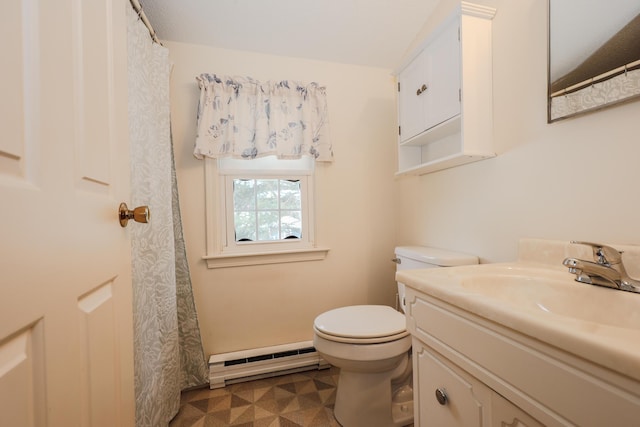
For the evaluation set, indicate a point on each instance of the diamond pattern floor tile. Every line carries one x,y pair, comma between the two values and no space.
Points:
303,399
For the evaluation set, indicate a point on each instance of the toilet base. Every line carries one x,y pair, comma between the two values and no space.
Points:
402,414
365,400
402,404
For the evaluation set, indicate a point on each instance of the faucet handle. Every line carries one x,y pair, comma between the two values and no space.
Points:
603,254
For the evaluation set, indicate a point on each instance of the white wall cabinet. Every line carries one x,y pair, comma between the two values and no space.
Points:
445,91
495,376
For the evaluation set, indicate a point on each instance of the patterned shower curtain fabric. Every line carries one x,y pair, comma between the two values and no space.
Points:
167,348
243,118
193,364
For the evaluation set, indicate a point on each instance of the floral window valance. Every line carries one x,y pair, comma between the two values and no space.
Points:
244,118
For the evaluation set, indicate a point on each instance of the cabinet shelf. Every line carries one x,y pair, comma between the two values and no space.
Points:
444,163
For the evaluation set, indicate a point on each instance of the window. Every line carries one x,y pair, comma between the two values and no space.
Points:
260,211
266,209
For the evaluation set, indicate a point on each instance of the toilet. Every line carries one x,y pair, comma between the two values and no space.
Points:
371,346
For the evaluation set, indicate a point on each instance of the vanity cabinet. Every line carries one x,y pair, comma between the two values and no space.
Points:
445,95
451,397
491,375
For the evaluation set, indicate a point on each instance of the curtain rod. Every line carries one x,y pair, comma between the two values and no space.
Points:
597,79
138,8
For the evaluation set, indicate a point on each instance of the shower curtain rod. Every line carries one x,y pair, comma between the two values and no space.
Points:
138,8
623,69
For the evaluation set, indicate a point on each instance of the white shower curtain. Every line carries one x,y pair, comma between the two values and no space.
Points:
167,348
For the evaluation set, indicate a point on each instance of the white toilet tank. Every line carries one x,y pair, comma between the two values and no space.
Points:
418,257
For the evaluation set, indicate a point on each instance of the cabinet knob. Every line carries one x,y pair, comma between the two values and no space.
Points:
441,396
423,88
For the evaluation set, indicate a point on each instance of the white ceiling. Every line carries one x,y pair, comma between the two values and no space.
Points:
363,32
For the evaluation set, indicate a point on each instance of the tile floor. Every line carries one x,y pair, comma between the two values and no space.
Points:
303,399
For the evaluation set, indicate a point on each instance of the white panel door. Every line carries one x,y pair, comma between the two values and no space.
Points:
66,351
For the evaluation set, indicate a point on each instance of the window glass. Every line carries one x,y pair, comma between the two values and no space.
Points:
267,209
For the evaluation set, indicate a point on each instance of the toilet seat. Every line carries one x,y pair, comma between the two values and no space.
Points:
347,340
361,324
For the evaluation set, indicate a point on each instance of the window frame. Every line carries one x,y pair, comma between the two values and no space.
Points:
223,250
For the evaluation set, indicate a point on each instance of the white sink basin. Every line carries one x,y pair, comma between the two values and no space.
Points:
555,293
599,324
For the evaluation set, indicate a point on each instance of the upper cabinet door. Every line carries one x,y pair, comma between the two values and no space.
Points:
443,71
411,99
430,84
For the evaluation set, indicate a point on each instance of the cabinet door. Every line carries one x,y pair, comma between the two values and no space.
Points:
442,96
411,99
463,400
430,84
506,414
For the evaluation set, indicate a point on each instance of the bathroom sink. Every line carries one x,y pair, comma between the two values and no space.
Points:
543,302
555,294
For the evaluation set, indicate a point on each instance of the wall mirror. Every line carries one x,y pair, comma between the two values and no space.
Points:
594,55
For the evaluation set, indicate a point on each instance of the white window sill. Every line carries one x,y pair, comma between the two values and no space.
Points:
275,257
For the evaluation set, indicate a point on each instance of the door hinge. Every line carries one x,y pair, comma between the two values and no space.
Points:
399,131
398,86
458,33
460,95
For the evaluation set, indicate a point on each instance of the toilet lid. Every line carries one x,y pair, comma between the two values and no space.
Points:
362,321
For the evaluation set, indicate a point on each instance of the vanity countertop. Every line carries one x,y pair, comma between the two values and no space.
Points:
540,299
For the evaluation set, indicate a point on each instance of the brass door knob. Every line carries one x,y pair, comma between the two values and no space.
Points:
139,214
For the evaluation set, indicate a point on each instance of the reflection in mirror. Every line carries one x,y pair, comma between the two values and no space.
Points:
594,55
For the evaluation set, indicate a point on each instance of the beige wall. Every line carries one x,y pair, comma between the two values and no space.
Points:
247,307
575,179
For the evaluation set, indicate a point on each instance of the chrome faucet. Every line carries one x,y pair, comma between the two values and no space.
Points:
606,269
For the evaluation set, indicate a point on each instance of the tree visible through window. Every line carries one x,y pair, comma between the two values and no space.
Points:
267,209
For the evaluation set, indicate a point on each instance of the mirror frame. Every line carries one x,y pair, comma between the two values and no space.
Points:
613,86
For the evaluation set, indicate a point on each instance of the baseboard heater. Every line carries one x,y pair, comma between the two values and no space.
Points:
246,365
